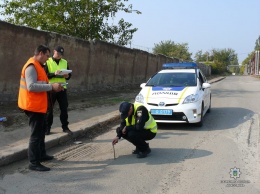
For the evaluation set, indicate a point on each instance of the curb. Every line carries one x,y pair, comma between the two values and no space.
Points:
216,80
15,153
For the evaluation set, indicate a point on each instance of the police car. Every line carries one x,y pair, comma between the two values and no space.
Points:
179,93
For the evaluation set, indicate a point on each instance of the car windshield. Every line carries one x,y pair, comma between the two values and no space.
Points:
173,79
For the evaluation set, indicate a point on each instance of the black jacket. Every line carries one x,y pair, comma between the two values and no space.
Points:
141,116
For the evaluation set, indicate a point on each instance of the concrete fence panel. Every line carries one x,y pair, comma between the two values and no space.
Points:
96,65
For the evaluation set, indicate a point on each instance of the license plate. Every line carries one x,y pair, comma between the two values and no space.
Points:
161,112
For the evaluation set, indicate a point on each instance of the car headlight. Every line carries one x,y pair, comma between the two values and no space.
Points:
191,99
139,98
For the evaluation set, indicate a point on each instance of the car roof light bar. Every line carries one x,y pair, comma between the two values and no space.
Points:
180,66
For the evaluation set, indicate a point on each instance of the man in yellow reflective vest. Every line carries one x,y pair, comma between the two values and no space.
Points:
55,65
137,126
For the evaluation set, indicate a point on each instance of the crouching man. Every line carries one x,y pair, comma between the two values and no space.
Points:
137,126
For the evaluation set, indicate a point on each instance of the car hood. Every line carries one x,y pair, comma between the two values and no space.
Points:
172,94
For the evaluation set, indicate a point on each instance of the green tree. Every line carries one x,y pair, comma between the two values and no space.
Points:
257,44
87,19
171,49
223,58
202,57
219,59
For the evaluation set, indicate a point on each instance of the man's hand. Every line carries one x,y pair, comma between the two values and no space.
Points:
56,87
57,72
115,140
124,131
66,75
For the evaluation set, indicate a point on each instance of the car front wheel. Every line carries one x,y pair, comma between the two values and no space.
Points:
209,109
200,123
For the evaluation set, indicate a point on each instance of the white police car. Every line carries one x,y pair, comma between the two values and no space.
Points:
179,93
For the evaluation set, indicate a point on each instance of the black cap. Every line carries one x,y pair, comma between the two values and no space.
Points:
124,109
59,49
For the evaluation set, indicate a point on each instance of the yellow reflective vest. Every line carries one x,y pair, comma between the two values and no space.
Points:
149,125
53,66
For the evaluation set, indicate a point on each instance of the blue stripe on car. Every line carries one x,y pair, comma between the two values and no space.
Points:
168,88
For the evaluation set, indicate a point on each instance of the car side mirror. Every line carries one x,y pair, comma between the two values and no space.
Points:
142,85
205,85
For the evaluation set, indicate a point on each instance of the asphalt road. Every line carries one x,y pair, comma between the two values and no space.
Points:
220,157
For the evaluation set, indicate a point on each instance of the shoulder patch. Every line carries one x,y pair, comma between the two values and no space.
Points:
139,113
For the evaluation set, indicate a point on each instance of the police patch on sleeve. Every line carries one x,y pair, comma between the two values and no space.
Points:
139,113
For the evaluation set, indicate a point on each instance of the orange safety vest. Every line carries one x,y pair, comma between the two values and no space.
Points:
33,101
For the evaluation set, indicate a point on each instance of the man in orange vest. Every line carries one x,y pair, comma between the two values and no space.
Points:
32,99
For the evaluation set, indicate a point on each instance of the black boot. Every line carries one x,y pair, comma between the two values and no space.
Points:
47,131
67,130
143,154
148,149
136,151
38,167
46,158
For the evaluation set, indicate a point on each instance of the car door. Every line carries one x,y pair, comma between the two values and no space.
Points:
206,91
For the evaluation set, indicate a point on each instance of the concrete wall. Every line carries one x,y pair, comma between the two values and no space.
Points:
96,65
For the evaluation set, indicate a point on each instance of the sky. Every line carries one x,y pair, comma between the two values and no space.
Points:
203,24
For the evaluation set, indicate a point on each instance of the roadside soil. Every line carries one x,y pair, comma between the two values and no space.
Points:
16,118
81,107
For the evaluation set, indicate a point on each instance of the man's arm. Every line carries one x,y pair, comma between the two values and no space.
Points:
120,128
31,81
119,132
50,75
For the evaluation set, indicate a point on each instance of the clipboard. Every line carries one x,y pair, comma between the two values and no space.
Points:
64,72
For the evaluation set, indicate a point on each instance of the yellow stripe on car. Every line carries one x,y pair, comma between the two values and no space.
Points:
148,94
182,94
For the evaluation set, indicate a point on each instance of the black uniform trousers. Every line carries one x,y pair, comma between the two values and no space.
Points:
36,148
62,99
138,138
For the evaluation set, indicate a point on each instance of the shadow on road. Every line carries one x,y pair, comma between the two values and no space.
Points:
218,119
164,156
